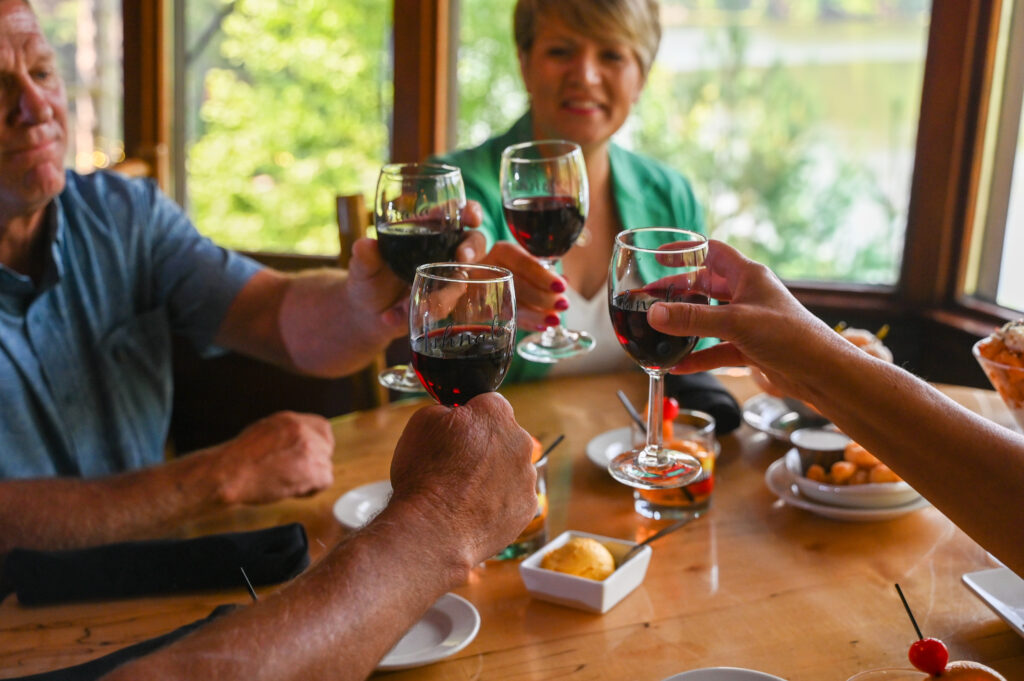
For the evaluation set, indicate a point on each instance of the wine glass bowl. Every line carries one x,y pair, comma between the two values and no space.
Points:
545,197
462,327
417,216
650,265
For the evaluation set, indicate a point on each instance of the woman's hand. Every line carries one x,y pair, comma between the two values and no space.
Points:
539,291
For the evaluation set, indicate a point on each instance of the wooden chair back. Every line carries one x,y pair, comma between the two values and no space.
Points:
354,220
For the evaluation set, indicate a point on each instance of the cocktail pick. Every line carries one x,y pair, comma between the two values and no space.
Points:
248,585
930,655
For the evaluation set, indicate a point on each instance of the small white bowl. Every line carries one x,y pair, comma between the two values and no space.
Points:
579,592
869,495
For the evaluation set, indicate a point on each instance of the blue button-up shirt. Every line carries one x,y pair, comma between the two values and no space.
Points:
85,355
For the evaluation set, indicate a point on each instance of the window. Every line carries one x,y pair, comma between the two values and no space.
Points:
87,37
995,274
284,105
795,121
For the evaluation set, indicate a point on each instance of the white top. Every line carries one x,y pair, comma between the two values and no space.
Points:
592,316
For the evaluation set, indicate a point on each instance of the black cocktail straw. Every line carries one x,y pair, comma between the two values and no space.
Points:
632,410
552,445
909,613
248,584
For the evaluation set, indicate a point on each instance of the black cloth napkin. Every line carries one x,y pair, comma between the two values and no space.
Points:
94,669
146,568
704,392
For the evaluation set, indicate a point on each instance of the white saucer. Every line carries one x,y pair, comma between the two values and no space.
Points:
723,674
1003,591
448,627
358,506
780,482
609,444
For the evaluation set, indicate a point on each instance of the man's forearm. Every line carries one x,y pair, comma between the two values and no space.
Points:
334,622
62,513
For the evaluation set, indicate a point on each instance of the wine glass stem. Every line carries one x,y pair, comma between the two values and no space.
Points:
655,394
553,335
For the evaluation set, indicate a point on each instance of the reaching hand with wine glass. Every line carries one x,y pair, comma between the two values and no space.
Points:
970,468
546,198
652,265
462,326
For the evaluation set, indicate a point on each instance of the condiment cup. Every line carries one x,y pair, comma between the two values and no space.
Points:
579,592
822,446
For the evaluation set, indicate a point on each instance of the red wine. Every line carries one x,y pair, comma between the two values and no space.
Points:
458,363
651,349
407,245
546,226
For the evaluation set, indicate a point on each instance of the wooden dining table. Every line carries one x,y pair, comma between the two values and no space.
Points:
754,583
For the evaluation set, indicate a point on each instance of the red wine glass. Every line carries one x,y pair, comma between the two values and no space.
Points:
545,196
649,265
417,218
462,329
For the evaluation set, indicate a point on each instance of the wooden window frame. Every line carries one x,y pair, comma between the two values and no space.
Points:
928,300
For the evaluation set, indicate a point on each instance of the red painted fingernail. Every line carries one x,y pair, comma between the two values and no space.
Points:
552,320
561,304
558,286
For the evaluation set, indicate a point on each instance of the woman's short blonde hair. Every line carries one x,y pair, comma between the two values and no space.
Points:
634,22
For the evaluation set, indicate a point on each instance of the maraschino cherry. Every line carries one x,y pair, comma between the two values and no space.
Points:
930,655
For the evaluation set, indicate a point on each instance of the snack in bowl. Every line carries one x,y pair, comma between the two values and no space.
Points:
581,556
1001,356
858,467
856,480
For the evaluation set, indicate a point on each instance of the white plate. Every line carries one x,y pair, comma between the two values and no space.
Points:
448,627
780,482
1003,591
723,674
358,506
773,416
609,444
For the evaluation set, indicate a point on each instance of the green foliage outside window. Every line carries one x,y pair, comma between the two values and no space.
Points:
297,114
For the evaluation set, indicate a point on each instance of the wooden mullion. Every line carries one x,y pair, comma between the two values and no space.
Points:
421,44
954,97
146,100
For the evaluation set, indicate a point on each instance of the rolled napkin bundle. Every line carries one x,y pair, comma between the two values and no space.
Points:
704,392
147,568
94,669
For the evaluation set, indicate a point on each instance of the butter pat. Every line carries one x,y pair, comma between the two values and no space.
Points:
582,557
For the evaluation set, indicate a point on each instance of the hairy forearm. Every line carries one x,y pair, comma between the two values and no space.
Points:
63,513
334,622
968,467
306,322
324,333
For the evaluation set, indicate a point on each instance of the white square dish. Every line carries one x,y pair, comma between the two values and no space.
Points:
579,592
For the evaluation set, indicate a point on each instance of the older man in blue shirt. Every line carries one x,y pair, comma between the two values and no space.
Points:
96,272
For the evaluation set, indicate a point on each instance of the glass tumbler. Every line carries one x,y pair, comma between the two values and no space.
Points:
692,432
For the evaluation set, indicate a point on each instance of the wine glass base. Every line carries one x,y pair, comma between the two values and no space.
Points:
400,379
678,470
535,349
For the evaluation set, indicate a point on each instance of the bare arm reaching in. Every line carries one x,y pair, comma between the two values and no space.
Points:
968,467
463,489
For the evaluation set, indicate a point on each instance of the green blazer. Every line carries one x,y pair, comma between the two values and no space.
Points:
646,192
